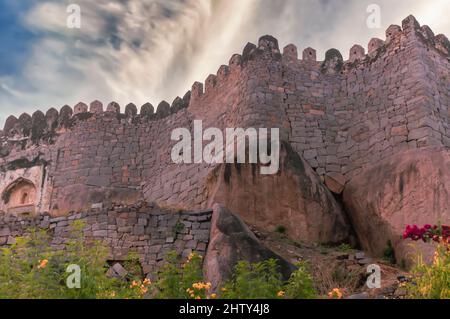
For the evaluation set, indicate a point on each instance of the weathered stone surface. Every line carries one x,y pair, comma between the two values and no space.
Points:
335,182
9,124
80,108
131,110
147,109
123,228
38,125
113,107
96,107
357,52
51,117
178,104
412,187
230,242
163,109
333,61
343,122
295,198
309,54
119,270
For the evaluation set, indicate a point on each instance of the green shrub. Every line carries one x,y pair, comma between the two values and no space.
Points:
32,268
263,281
389,253
281,230
432,281
254,281
345,248
185,282
301,284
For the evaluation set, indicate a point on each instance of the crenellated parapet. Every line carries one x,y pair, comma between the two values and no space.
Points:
28,130
340,114
31,129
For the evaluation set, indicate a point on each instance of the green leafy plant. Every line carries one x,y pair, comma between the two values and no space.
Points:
301,284
345,248
281,230
32,268
389,253
178,228
430,281
254,281
263,281
181,282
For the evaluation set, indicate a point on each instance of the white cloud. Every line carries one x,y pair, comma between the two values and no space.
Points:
149,50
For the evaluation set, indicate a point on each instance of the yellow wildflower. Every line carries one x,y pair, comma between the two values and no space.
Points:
42,263
281,294
336,293
147,282
213,296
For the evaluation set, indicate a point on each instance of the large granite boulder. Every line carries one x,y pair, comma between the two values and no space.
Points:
412,187
231,241
294,199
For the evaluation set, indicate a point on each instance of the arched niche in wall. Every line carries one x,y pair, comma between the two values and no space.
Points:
20,196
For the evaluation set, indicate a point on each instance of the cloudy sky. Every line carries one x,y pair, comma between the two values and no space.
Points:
149,50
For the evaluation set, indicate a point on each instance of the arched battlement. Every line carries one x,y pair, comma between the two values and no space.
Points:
410,24
51,117
210,83
333,62
442,44
427,33
147,109
80,108
38,125
357,52
177,104
10,122
374,45
222,73
235,62
163,110
131,110
66,111
96,107
268,43
290,52
309,54
113,107
197,90
392,32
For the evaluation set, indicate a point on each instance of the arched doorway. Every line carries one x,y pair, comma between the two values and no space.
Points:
20,196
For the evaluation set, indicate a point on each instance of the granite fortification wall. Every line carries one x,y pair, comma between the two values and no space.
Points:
340,116
149,231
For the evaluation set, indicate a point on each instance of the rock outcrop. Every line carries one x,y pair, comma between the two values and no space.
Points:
412,187
230,242
294,199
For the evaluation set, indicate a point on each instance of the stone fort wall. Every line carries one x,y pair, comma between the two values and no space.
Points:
149,231
340,116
